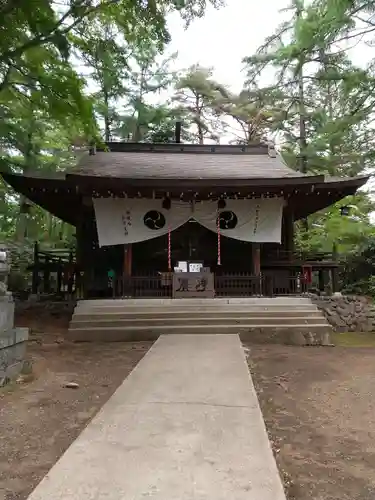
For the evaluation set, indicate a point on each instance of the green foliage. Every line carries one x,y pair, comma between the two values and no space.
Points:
358,273
49,53
197,96
149,75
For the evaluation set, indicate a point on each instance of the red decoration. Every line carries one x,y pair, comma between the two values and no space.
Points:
218,240
169,251
307,274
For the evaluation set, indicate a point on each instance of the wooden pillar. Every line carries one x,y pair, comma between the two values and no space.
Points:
288,231
256,267
59,276
46,275
334,270
35,279
256,258
322,283
335,279
127,270
128,255
83,252
70,274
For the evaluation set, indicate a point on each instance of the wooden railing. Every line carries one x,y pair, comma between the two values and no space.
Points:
285,255
293,285
226,285
147,286
238,285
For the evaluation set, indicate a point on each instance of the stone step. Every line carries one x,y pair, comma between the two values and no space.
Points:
259,332
183,314
195,301
182,321
187,310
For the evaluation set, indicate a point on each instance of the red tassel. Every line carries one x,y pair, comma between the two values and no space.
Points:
169,251
218,240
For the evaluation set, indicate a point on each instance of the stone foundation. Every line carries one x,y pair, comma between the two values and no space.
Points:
13,342
12,354
287,336
347,313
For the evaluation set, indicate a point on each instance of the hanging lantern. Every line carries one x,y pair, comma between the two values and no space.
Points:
166,203
345,211
221,204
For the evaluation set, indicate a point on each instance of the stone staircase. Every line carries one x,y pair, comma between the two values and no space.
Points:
293,320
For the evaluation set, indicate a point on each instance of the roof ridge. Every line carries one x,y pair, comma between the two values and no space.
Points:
178,148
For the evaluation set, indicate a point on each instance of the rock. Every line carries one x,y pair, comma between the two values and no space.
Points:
4,381
27,367
71,385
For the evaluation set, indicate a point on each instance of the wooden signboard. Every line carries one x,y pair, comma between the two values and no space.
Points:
188,285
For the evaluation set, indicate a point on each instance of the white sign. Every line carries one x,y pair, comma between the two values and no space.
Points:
195,267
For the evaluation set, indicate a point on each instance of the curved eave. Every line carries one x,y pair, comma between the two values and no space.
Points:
168,183
51,193
324,194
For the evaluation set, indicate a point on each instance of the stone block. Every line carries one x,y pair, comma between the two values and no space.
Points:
13,342
347,313
13,346
6,313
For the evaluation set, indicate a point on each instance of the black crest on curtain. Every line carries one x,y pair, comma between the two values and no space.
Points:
227,220
154,220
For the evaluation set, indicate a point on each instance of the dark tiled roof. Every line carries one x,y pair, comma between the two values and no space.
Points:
221,163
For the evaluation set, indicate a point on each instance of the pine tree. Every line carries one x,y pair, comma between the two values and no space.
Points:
149,76
196,97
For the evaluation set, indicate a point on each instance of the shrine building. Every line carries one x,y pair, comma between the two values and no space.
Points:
181,220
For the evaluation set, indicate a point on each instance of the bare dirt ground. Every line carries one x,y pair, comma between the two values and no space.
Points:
39,417
319,407
318,403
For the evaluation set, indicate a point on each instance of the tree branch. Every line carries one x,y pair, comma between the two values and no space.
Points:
45,38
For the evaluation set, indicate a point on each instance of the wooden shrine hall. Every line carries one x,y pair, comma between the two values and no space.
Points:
182,220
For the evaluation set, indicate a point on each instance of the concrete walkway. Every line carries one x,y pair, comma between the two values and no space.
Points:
184,425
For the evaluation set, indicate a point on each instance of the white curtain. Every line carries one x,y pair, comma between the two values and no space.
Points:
256,220
130,220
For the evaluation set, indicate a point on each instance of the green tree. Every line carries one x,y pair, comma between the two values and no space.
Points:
35,45
327,107
196,96
149,75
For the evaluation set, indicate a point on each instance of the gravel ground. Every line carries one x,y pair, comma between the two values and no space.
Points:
319,408
40,418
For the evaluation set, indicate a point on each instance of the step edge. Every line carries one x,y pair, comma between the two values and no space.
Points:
193,327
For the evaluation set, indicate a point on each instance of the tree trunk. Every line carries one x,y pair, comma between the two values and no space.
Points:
30,154
107,125
302,125
199,118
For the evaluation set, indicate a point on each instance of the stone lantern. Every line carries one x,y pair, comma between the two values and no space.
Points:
13,340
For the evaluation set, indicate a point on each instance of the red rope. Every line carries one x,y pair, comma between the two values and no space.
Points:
218,239
169,251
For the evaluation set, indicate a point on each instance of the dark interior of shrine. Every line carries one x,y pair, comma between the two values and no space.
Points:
189,242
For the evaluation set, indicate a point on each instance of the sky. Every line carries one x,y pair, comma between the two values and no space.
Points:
223,37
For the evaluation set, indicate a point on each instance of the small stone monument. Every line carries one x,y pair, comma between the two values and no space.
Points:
13,340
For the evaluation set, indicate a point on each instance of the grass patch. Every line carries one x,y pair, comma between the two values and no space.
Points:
353,339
